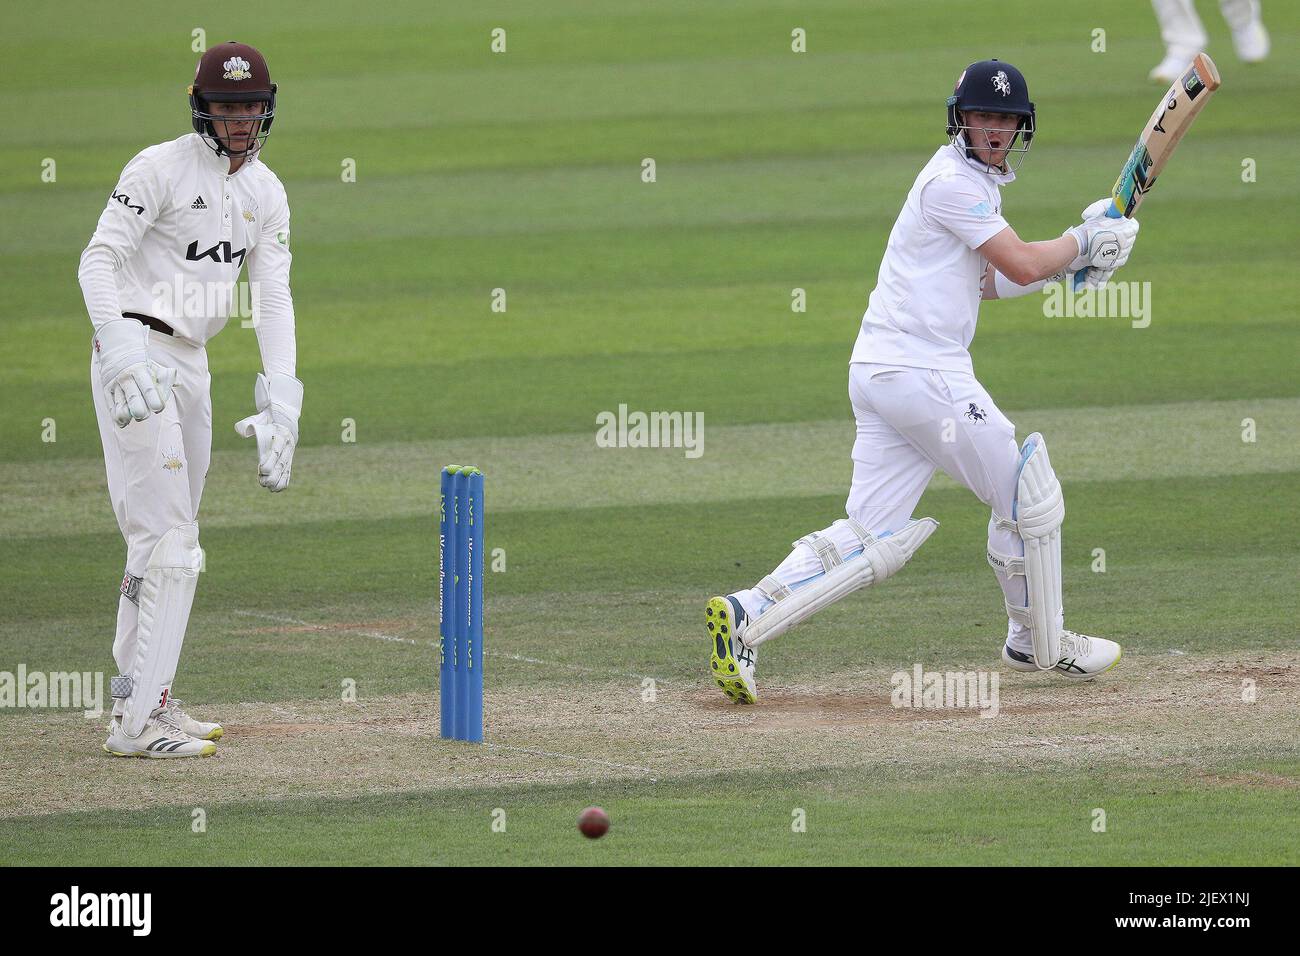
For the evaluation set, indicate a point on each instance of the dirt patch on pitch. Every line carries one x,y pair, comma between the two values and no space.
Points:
1251,779
1196,713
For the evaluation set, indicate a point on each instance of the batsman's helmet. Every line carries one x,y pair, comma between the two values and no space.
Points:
232,73
991,86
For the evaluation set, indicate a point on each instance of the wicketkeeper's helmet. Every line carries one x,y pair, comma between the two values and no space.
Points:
232,73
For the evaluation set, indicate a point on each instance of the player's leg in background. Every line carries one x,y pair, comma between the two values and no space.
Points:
1246,22
1183,35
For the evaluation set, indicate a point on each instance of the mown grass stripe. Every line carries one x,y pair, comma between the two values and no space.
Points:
568,471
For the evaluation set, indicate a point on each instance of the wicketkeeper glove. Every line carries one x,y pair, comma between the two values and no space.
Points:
278,398
135,385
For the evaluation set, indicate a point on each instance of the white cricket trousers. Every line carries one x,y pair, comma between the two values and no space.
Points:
156,468
910,422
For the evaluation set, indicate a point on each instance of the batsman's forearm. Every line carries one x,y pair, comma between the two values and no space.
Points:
1045,259
1027,262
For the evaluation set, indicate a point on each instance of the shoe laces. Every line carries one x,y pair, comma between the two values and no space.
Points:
1078,643
171,720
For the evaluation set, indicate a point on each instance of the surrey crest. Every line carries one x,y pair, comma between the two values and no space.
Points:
236,69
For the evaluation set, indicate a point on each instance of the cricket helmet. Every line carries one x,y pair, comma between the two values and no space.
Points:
232,73
991,86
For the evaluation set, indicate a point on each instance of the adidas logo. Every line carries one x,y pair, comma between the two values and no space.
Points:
199,204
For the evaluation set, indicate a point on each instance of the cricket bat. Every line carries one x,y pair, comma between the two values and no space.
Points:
1166,127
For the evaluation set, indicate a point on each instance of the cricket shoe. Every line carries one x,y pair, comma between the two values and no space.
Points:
1082,658
1172,66
732,663
162,737
199,729
1251,42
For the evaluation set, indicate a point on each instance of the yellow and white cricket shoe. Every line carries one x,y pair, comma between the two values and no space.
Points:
732,663
199,729
1082,657
162,737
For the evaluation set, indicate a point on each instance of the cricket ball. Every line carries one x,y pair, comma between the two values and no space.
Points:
593,822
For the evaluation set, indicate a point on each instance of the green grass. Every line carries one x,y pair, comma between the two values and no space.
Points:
775,171
846,819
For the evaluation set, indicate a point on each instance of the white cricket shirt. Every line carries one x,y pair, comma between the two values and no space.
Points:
179,227
923,310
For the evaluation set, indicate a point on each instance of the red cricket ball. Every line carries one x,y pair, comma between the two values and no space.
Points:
593,822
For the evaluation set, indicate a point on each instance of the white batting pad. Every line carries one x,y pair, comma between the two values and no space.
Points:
1037,514
166,596
879,558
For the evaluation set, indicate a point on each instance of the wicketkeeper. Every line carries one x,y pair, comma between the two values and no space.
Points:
159,279
919,406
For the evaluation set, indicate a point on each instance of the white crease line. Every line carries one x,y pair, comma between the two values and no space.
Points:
393,638
549,753
321,627
575,667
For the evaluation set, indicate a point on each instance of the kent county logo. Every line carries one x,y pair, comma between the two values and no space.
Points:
171,461
975,413
1001,83
236,69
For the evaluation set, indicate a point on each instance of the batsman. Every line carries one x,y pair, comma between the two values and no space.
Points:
159,278
919,407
